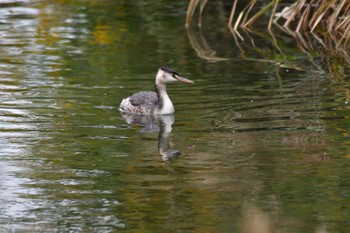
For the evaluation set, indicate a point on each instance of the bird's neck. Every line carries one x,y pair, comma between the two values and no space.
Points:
165,106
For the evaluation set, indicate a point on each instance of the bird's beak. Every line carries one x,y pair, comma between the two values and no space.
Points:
182,79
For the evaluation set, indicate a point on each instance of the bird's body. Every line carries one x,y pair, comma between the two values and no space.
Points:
145,103
153,103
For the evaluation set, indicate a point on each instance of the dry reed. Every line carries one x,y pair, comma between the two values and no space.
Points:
325,19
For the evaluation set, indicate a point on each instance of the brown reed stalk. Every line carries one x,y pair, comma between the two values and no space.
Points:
329,20
190,11
322,10
257,15
233,10
247,10
333,18
295,10
275,4
303,19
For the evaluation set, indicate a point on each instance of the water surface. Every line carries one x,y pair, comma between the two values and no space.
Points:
263,148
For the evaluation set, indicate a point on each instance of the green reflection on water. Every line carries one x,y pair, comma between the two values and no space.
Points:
260,150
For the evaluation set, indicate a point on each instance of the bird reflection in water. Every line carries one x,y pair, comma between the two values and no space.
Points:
156,123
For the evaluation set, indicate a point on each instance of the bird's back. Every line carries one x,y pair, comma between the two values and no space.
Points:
143,102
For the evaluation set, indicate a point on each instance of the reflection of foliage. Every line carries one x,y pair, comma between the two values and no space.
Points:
331,17
100,34
319,29
202,48
86,162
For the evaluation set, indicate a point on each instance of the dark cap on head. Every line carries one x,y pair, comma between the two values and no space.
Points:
168,70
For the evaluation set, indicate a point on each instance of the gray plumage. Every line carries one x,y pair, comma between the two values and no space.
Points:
147,98
153,103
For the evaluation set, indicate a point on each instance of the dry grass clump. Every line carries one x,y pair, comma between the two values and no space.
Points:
325,20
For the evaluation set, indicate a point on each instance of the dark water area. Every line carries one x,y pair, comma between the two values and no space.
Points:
264,146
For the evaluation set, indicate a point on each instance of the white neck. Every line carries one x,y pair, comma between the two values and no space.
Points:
165,104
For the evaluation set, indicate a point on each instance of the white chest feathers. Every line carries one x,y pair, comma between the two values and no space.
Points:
167,107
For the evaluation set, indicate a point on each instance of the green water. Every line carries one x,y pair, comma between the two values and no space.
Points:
263,148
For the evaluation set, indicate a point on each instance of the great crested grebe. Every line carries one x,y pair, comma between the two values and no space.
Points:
154,103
